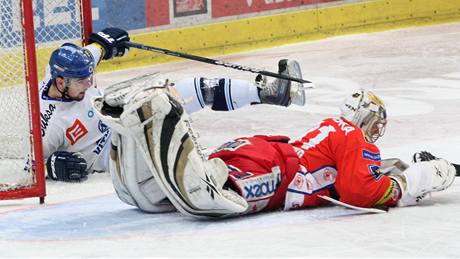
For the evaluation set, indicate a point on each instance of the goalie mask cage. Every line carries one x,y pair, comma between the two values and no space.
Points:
30,31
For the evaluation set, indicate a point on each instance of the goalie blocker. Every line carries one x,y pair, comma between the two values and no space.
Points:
154,123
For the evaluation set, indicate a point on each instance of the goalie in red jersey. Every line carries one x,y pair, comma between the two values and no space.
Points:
337,159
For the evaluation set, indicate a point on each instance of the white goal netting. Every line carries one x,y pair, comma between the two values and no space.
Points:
55,22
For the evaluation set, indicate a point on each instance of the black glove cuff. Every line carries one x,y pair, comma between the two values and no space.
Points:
108,47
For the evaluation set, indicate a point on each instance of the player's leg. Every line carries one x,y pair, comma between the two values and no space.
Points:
283,92
225,94
222,94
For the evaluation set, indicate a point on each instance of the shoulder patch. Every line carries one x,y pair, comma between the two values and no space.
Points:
375,171
371,156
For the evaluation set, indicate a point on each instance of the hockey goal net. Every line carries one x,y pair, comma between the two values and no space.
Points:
30,31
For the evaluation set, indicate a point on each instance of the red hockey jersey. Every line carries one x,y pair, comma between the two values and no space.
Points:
332,159
337,155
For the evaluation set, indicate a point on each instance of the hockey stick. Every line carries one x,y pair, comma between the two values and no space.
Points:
346,205
212,61
372,210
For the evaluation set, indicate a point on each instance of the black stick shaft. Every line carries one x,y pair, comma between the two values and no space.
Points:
212,61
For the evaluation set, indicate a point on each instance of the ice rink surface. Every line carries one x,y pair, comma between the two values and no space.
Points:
416,71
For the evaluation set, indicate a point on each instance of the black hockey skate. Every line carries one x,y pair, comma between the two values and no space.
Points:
282,92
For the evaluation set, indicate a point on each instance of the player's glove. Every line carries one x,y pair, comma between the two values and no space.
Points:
66,166
111,39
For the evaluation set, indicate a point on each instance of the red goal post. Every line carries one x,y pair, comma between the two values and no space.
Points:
30,31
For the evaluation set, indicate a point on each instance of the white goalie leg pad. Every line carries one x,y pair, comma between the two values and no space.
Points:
422,178
165,139
120,93
192,183
131,176
115,173
132,179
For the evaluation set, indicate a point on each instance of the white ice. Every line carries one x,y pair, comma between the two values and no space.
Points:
416,71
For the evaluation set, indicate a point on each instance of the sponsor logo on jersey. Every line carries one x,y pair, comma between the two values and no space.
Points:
260,187
102,127
375,171
100,143
91,113
76,132
329,174
371,156
45,117
299,180
233,145
306,183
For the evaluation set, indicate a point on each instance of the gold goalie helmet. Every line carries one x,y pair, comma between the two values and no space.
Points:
365,110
